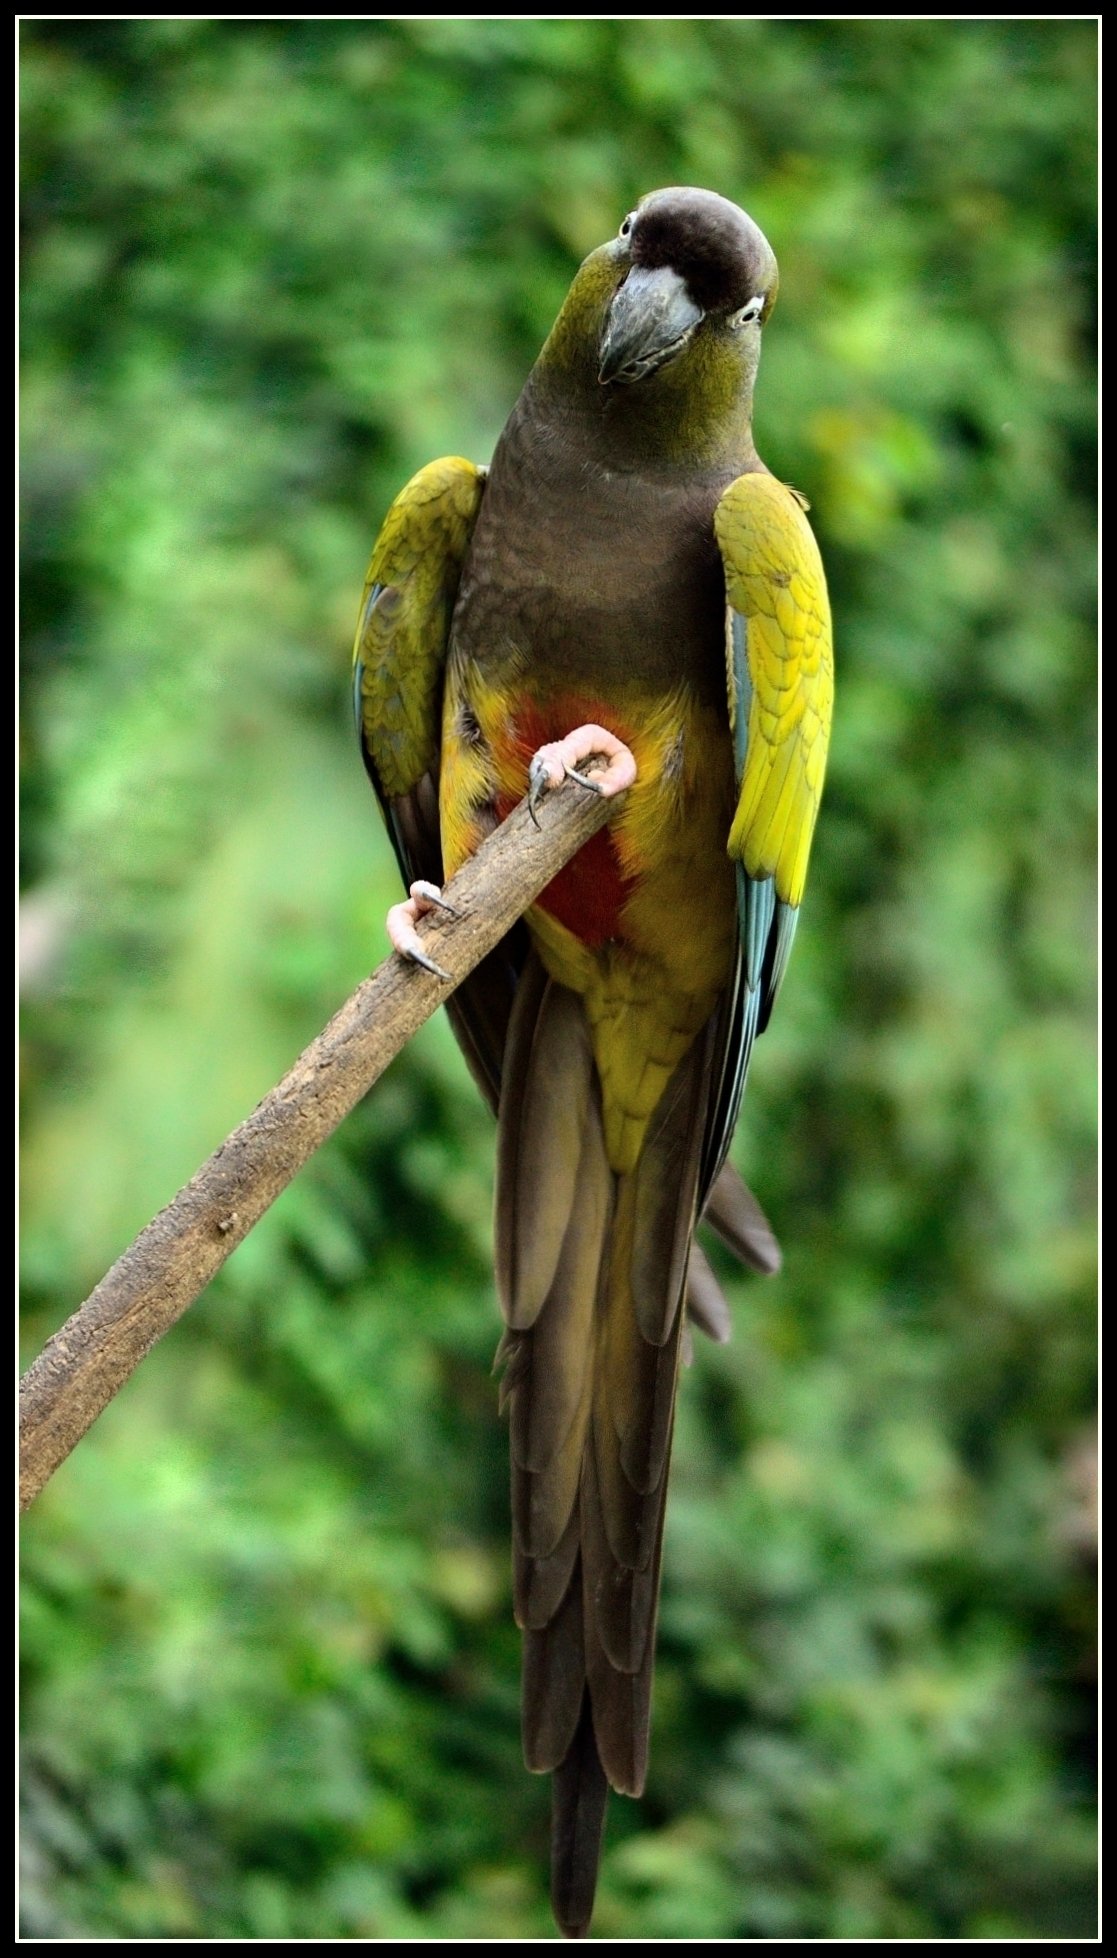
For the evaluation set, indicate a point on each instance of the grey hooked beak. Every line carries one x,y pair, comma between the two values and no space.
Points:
652,317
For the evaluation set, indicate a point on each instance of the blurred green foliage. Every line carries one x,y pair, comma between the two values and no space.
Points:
271,268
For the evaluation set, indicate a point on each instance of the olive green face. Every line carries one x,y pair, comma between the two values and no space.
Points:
666,318
691,264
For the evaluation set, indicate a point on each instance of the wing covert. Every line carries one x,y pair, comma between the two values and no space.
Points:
780,679
399,664
780,674
399,655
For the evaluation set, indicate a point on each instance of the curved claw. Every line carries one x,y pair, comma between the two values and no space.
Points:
538,782
429,897
587,781
428,965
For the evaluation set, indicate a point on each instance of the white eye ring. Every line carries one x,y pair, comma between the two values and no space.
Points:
750,311
627,225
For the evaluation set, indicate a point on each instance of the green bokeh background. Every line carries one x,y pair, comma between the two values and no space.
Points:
272,1674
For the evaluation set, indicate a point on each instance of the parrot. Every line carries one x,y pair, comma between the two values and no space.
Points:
625,583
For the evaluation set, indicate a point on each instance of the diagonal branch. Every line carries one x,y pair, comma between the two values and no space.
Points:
175,1256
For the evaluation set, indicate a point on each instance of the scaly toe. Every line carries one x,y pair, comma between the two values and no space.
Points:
405,940
596,743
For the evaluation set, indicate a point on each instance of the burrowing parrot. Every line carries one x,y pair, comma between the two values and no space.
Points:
626,571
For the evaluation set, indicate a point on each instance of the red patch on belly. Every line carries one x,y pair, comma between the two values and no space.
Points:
589,894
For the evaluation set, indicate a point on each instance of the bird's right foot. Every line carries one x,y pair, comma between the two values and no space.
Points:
553,763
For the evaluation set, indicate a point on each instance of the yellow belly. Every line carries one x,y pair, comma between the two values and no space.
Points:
644,930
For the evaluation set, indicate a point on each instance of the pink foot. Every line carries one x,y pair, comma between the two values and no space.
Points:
551,764
403,918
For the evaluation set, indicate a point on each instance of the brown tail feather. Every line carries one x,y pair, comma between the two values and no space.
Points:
706,1303
592,1267
739,1221
578,1796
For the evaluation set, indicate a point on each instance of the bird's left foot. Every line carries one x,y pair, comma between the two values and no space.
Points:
551,765
403,918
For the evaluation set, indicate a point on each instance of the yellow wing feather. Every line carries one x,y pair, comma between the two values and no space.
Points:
400,650
775,582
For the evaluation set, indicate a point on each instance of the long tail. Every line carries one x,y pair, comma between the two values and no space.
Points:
591,1268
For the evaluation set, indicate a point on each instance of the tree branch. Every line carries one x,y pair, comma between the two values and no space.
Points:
173,1259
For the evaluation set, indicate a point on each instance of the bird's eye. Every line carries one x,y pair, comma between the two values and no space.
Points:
751,311
627,225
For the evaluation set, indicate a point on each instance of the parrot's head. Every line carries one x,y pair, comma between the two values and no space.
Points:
666,317
693,270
